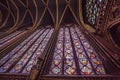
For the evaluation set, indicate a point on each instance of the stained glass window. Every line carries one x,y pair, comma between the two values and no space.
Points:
72,42
24,56
93,8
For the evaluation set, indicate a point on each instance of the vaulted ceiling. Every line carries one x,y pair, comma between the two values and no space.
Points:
15,14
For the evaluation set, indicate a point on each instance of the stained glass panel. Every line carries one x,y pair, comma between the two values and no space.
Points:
93,8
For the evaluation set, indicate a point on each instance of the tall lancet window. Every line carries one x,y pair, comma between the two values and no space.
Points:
73,55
